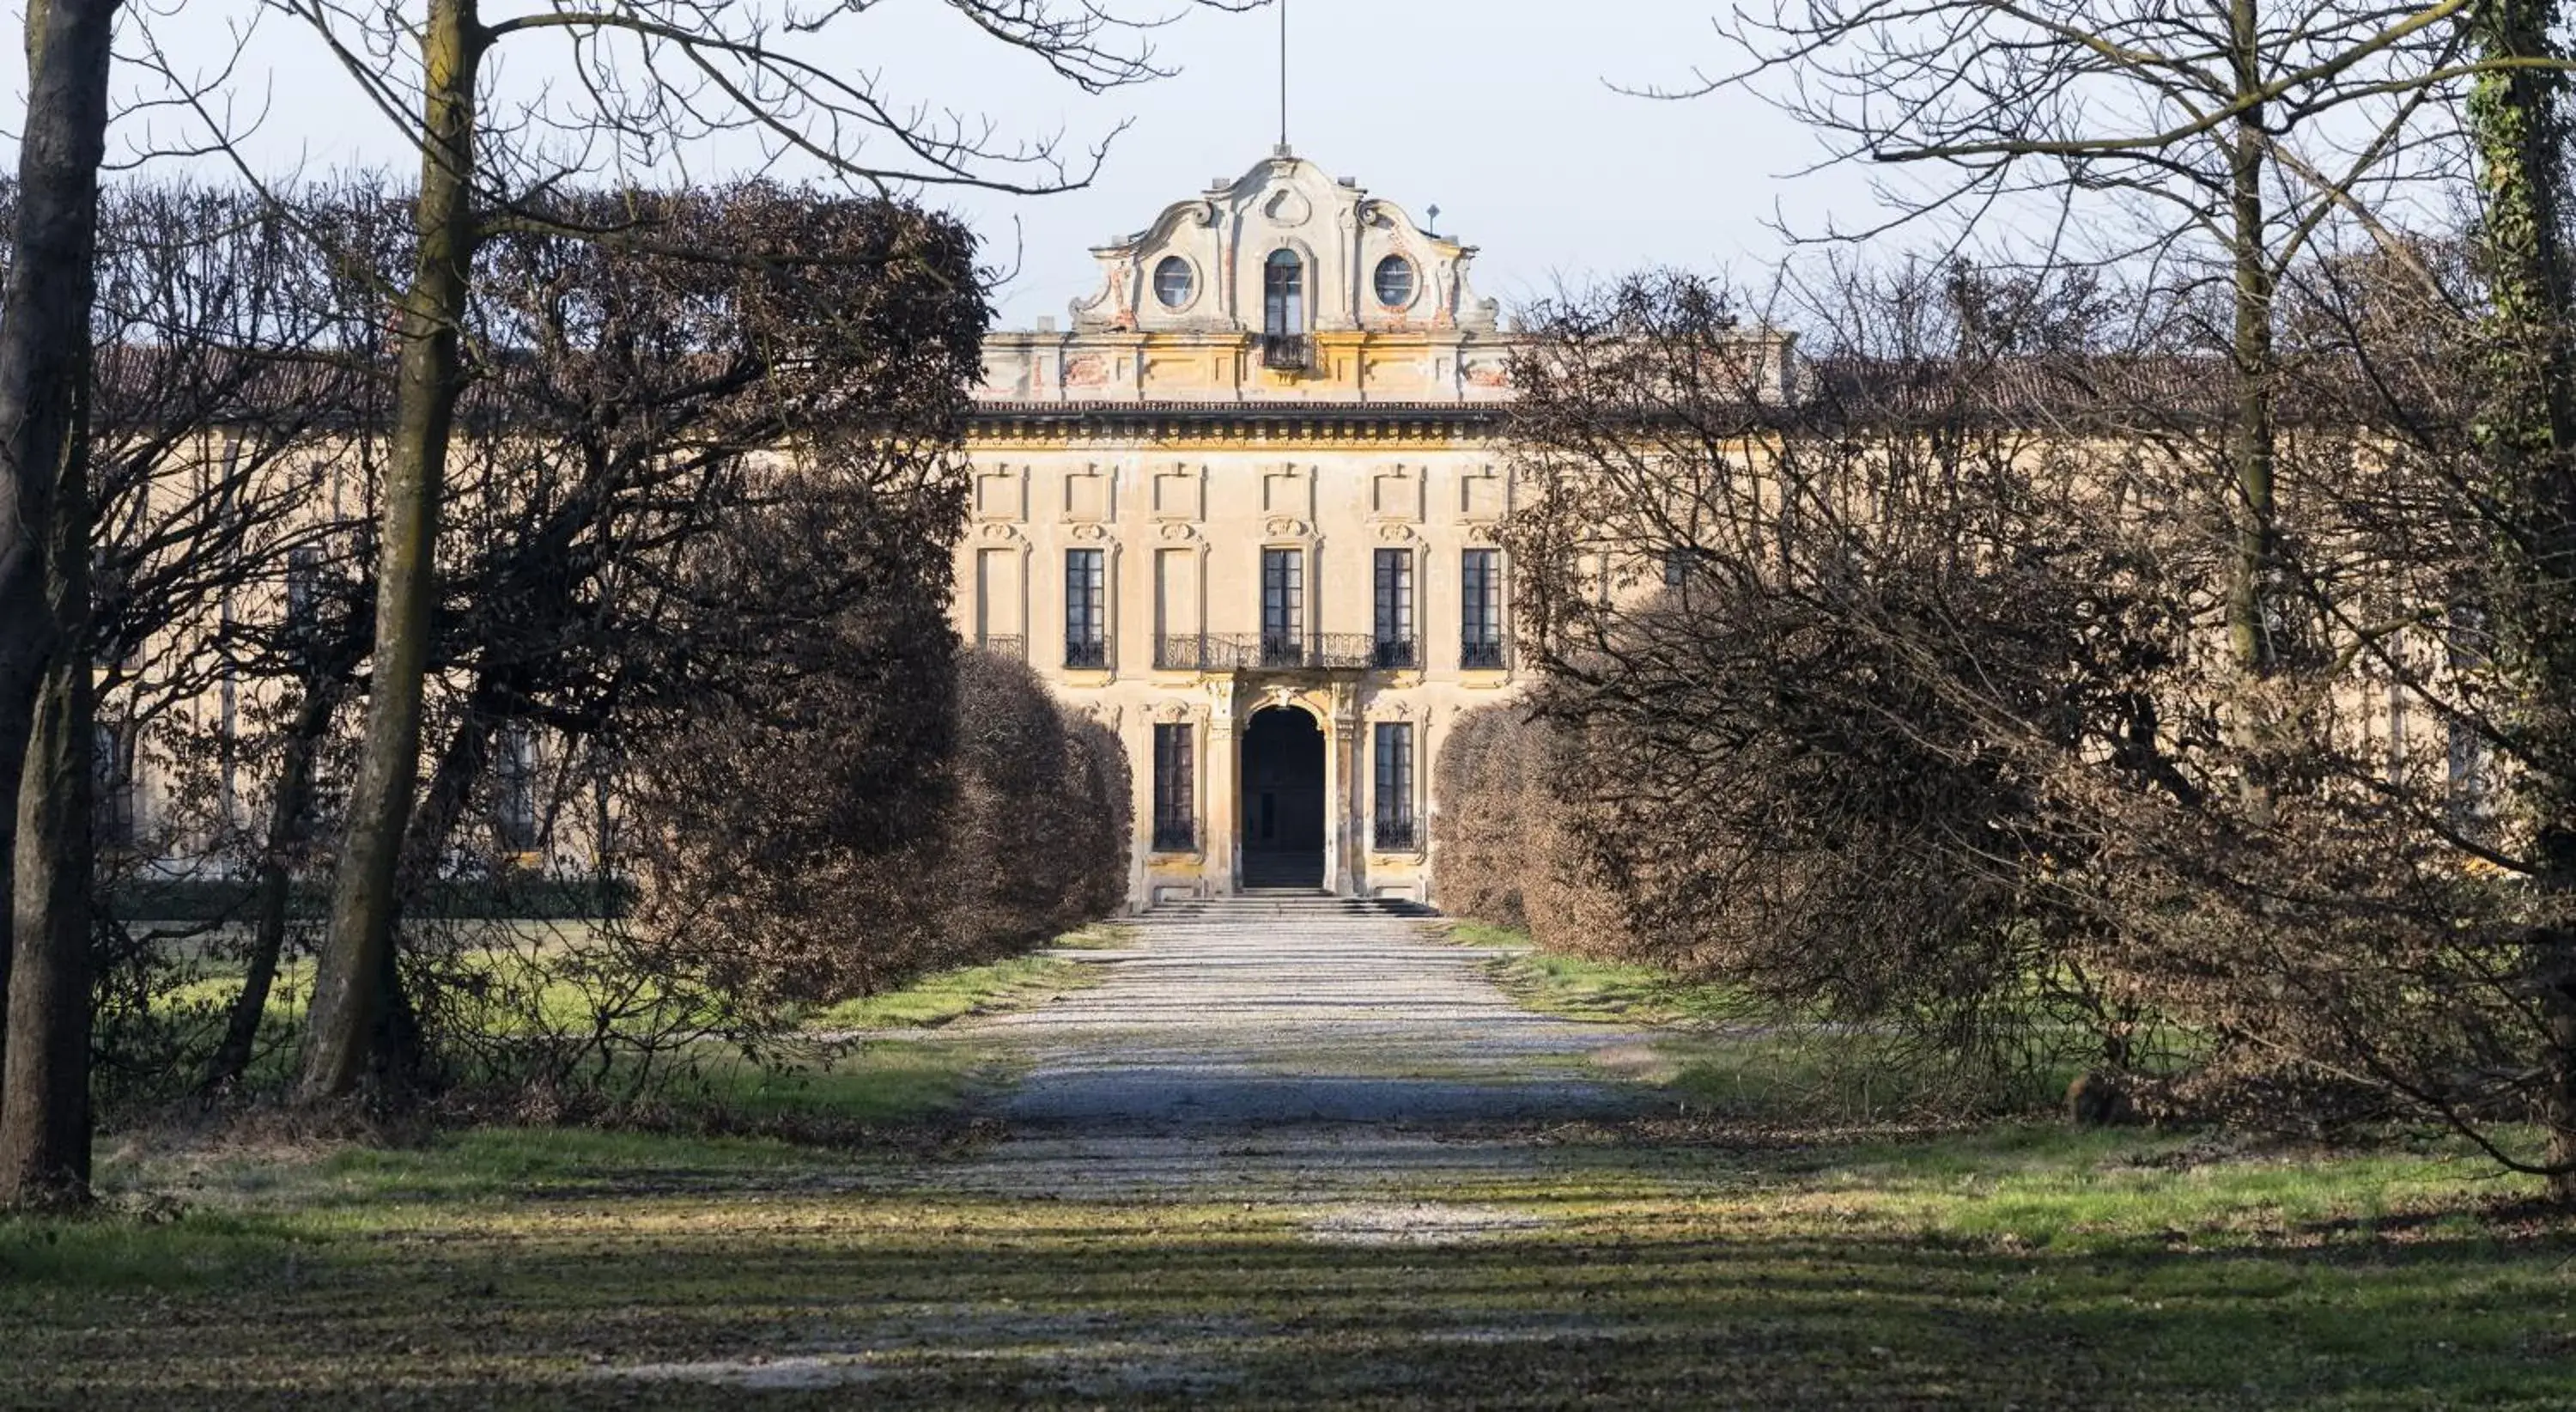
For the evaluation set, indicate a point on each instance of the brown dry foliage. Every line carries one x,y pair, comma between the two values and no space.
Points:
1508,851
1933,725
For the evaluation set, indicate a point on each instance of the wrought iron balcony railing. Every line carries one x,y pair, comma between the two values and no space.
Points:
1480,656
1287,352
1079,653
1395,654
1395,835
1176,836
1265,652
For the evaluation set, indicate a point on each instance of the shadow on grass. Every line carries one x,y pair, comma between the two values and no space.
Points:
1978,1271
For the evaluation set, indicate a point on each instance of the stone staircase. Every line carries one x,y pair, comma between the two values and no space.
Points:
1286,903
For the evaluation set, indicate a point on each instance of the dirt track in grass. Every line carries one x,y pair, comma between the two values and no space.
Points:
1296,1158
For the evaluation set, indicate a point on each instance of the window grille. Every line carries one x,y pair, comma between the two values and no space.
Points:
1394,608
1393,825
1175,789
1086,609
1480,591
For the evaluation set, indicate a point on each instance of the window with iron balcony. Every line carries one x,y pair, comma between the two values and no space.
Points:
1086,609
1480,593
1394,647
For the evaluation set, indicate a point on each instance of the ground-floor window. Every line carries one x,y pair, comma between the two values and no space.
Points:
1394,825
1175,790
514,794
113,822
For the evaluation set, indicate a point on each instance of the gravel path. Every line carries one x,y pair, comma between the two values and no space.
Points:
1254,1013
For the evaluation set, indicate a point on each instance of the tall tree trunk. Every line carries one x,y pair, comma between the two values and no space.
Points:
44,1095
44,591
2527,430
2251,433
287,818
357,949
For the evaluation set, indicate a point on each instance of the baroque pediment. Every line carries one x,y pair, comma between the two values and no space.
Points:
1369,265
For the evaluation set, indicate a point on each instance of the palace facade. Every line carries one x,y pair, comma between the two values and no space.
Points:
1243,511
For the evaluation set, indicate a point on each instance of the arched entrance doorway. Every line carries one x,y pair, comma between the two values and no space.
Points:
1283,800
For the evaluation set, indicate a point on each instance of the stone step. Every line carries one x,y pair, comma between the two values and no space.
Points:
1287,903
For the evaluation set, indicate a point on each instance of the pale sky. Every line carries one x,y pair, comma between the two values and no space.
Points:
1499,111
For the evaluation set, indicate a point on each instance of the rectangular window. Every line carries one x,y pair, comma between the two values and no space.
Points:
113,826
1480,595
998,623
1086,609
1394,826
1175,790
1283,607
514,790
1176,609
303,617
1395,608
1677,566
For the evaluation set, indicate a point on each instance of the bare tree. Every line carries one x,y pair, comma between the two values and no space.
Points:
2217,142
654,76
44,600
2527,435
238,405
1818,648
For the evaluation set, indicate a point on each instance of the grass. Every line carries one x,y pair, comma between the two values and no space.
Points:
2015,1266
1577,988
1804,1261
1010,984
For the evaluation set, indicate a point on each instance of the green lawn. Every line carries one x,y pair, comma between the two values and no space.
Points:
1011,984
1604,990
2018,1267
1752,1252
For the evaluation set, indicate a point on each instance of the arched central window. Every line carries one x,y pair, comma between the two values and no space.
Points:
1283,295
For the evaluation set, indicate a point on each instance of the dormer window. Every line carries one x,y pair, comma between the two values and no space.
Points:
1395,281
1175,282
1283,295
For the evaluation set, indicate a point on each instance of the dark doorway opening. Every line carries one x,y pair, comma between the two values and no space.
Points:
1283,800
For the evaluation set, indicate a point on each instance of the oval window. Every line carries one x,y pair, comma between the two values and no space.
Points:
1395,281
1174,282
